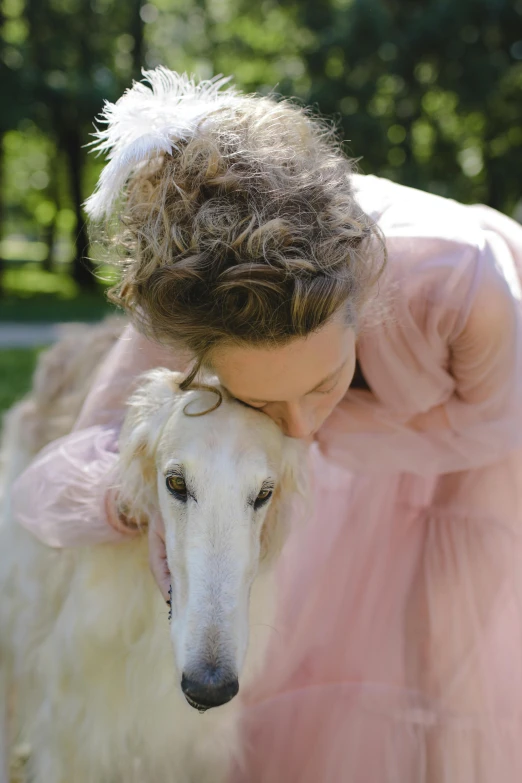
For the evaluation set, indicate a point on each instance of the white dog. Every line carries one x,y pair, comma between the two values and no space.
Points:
107,689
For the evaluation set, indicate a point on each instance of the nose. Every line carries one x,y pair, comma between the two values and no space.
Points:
296,421
210,687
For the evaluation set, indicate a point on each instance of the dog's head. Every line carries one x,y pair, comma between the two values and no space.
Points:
222,477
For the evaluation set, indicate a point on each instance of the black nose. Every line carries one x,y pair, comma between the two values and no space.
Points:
210,687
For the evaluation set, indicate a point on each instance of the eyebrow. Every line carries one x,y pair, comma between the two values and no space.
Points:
321,383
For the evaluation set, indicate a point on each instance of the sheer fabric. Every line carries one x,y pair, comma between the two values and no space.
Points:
396,655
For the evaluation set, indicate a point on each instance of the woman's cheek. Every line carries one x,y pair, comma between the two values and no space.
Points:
328,404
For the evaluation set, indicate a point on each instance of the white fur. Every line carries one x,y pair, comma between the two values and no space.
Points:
84,635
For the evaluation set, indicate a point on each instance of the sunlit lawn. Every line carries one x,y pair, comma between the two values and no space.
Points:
16,368
30,294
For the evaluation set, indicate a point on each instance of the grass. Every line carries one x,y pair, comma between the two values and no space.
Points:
32,295
16,369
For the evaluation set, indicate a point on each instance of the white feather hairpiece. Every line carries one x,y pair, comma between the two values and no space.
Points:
147,121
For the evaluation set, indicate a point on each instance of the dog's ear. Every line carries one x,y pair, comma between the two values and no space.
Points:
148,410
291,489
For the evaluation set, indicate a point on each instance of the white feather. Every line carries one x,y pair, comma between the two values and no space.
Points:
147,121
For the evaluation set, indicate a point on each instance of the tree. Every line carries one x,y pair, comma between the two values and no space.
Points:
14,94
71,58
429,92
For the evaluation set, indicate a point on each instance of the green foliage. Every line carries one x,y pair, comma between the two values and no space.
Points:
426,92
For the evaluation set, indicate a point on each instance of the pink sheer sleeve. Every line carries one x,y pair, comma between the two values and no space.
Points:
59,497
457,356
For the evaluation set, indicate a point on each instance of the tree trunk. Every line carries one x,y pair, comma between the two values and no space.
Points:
50,230
136,30
83,269
48,238
2,262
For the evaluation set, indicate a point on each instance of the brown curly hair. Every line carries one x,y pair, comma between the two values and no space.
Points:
247,233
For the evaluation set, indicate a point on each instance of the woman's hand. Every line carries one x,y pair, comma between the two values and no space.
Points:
158,555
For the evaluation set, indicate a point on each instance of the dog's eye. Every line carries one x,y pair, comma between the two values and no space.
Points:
263,497
176,485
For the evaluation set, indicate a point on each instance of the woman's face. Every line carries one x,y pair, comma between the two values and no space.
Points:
298,384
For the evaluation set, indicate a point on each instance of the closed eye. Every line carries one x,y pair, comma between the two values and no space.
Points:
330,387
260,405
255,406
324,391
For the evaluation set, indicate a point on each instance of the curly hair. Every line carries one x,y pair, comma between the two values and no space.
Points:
247,233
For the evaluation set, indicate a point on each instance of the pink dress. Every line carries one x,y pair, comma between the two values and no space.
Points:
398,651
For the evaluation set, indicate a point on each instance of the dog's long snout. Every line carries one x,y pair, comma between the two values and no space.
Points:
209,687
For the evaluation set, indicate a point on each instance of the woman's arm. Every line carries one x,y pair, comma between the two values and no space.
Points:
61,497
483,361
480,422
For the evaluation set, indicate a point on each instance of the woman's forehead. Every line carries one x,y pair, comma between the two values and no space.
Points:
286,372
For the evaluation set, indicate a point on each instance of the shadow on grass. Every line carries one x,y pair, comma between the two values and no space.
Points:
38,308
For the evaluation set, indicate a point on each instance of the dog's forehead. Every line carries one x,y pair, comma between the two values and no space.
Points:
231,432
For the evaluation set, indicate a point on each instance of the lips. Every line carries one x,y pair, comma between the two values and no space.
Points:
201,708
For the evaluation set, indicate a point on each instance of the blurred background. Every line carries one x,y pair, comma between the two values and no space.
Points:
426,92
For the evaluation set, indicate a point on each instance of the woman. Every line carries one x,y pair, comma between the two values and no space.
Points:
251,247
